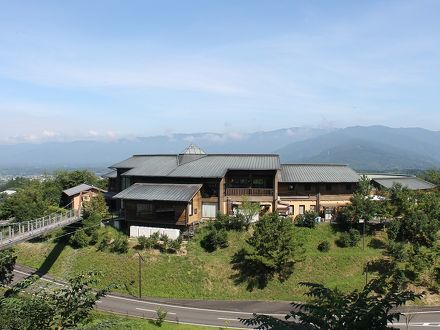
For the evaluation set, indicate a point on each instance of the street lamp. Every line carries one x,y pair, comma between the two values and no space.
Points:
363,233
140,275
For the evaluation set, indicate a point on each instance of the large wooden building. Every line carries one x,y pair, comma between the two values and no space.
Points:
177,190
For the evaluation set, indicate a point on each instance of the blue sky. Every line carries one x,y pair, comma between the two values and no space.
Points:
110,69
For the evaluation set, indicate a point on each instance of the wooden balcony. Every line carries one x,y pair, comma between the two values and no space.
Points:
249,192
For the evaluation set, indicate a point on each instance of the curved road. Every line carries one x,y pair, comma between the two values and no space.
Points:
223,314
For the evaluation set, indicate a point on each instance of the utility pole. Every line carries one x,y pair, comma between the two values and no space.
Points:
140,275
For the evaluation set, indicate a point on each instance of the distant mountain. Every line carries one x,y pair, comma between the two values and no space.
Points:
373,148
95,154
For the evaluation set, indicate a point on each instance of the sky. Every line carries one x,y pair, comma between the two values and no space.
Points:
112,69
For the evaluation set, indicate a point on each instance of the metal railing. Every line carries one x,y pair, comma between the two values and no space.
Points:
16,232
249,192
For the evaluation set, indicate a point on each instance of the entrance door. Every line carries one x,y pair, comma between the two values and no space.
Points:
209,210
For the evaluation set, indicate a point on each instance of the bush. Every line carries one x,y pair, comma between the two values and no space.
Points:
307,219
350,238
104,242
79,239
120,244
393,229
236,222
324,246
175,245
94,238
215,239
92,223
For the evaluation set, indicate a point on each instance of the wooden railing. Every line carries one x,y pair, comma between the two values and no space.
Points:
249,192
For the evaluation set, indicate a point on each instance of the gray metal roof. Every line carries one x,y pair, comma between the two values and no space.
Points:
111,175
331,173
201,166
160,192
216,166
410,182
137,160
81,188
154,166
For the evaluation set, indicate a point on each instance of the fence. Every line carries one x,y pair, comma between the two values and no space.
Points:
21,231
137,231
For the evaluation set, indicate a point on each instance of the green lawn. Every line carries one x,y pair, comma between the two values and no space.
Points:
206,275
118,322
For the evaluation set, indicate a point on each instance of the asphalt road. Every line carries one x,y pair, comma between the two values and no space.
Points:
223,313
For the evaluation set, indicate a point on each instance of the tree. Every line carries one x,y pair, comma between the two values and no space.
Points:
26,204
62,308
361,205
248,210
329,309
418,228
403,201
7,264
273,249
69,179
96,206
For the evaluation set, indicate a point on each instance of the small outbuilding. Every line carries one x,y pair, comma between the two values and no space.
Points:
77,195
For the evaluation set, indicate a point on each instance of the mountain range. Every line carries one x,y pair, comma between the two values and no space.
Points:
369,148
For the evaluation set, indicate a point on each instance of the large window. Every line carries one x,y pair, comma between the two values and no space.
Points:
144,209
125,182
302,209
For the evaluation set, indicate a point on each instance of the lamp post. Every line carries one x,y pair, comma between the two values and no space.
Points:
363,233
140,275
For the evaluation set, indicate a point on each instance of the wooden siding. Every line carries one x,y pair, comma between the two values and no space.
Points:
197,208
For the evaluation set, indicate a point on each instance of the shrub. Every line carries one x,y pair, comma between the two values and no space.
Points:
161,315
350,238
94,238
307,219
92,223
175,245
104,243
324,246
79,239
120,244
393,229
215,239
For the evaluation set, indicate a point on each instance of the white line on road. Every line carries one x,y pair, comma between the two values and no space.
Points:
152,310
224,319
424,312
186,307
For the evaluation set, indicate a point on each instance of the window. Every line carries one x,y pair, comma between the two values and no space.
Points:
328,187
144,209
302,209
190,208
307,187
291,187
291,209
312,208
125,183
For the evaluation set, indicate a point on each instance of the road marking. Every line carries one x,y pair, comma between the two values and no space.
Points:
152,310
162,304
425,312
186,307
224,319
187,323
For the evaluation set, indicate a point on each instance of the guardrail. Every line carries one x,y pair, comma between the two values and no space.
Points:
16,232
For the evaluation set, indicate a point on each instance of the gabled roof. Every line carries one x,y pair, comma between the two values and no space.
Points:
160,192
407,181
81,188
196,166
312,173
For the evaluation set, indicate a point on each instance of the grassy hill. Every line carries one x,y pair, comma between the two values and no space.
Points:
202,275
